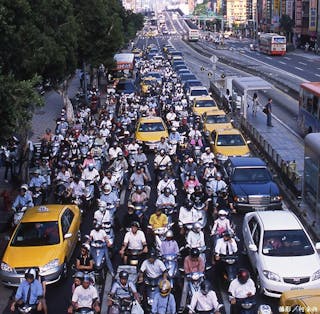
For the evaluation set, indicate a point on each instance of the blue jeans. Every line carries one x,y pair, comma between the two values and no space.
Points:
269,119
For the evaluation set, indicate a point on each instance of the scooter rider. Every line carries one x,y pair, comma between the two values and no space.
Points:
192,263
166,199
166,182
85,295
109,197
221,224
29,292
90,173
134,240
140,178
98,234
195,238
207,156
139,195
204,301
152,268
84,261
164,301
225,246
24,199
123,289
169,246
240,288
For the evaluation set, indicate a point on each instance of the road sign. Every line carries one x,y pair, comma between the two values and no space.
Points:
202,69
214,59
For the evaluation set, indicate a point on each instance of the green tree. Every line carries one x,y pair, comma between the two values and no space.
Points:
286,25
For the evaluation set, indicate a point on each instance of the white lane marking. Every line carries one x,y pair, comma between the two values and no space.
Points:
317,75
122,196
318,68
269,58
298,68
303,63
282,62
287,58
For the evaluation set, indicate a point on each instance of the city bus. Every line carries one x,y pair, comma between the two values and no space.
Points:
193,31
309,107
273,44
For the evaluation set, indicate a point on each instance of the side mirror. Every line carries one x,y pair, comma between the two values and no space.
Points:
318,246
67,236
253,248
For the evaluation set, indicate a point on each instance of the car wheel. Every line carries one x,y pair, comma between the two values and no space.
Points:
259,285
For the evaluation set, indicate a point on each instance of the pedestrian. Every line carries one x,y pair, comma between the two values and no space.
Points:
254,104
269,111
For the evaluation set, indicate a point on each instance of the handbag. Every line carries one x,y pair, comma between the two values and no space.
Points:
265,110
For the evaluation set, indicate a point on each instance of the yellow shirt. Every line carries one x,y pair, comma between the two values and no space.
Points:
158,222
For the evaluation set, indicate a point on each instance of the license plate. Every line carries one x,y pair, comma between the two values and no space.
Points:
296,288
260,208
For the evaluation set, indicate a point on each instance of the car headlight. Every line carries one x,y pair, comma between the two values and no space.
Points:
241,199
271,276
6,267
276,198
52,264
316,275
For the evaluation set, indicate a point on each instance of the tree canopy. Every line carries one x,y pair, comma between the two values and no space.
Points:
49,39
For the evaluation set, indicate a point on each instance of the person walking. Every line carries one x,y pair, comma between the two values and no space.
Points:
254,104
269,111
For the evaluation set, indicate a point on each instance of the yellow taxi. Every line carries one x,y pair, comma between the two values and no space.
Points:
44,239
215,120
229,143
300,301
202,104
137,52
147,83
150,130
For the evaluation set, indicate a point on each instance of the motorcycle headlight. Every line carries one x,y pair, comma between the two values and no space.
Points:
276,198
316,275
241,199
195,277
52,264
6,267
271,276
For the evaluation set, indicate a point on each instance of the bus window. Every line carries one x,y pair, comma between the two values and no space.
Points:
315,106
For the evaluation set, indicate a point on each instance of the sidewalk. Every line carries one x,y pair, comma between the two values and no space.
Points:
43,118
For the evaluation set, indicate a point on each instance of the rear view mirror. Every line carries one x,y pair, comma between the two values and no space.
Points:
253,248
318,246
67,236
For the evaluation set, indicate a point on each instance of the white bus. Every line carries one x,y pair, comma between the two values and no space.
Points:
273,44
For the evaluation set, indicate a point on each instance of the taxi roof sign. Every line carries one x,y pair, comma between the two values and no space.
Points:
43,209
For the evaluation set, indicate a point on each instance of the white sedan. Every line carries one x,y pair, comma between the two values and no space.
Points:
281,252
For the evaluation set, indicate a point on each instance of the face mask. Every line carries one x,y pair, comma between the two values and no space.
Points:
223,217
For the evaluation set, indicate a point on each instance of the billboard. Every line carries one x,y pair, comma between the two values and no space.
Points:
312,15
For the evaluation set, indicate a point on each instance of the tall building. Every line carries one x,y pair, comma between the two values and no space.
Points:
235,11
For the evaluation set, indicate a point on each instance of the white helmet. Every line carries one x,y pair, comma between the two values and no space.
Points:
102,205
222,212
29,273
25,187
197,227
107,189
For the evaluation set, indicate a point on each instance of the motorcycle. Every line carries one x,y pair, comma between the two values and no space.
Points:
18,214
152,287
89,195
61,192
160,234
244,305
121,306
97,250
27,309
229,267
37,195
84,310
171,263
194,279
219,308
134,257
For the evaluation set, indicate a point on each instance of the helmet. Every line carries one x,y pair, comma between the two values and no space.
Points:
218,175
90,166
189,204
79,275
207,149
264,309
85,246
197,188
102,205
162,151
226,234
222,212
139,188
167,190
169,234
124,275
194,253
120,154
205,287
97,225
30,273
24,187
107,189
86,278
37,171
173,129
135,224
152,254
197,227
165,287
243,275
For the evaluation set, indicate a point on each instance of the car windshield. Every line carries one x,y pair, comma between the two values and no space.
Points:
251,175
199,92
125,86
205,103
36,234
286,243
186,77
194,83
149,81
217,119
151,127
230,140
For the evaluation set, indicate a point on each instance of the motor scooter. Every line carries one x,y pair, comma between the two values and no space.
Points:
244,305
27,309
133,257
18,214
194,280
152,287
84,310
229,267
171,263
97,249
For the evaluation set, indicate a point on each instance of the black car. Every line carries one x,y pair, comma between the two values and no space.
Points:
125,86
251,184
186,77
190,83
